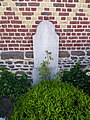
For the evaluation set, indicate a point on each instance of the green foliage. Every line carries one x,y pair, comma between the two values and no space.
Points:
11,86
77,77
52,100
44,71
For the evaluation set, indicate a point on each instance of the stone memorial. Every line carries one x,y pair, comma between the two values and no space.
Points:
44,40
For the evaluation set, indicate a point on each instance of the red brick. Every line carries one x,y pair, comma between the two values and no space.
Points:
74,22
88,6
46,18
70,0
74,18
9,13
4,17
58,9
63,14
46,9
16,22
5,34
24,45
85,22
10,17
70,5
13,45
27,9
4,22
22,34
76,0
22,30
8,8
68,26
40,18
82,37
87,45
23,26
69,10
16,26
3,45
64,0
1,30
80,14
28,18
85,18
87,1
16,18
10,26
11,30
63,18
32,30
58,0
33,9
79,26
11,34
13,41
21,9
78,44
79,30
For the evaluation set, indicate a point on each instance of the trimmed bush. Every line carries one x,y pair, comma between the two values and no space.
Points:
52,100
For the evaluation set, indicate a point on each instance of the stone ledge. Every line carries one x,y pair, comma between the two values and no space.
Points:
88,53
78,53
29,54
12,55
63,54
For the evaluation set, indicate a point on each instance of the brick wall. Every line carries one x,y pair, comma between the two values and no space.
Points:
19,20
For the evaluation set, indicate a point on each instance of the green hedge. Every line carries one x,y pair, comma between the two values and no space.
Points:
52,100
11,86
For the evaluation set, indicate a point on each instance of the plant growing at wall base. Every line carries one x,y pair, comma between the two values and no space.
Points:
44,70
11,86
77,77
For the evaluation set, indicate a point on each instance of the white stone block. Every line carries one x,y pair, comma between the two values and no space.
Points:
45,39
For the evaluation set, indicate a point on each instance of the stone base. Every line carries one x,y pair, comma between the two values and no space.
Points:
36,76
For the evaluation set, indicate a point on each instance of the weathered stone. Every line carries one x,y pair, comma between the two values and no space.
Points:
88,53
78,53
11,66
73,58
12,55
8,62
21,4
30,62
44,40
63,54
18,62
29,54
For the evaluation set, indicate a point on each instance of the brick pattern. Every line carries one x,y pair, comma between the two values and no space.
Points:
20,18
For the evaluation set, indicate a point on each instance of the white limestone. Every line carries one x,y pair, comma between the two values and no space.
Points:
45,39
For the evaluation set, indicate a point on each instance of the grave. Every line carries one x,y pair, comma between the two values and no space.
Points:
44,40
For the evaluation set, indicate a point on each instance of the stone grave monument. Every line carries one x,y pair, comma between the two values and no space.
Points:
45,39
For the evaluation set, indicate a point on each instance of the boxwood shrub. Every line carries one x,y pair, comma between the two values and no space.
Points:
52,100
